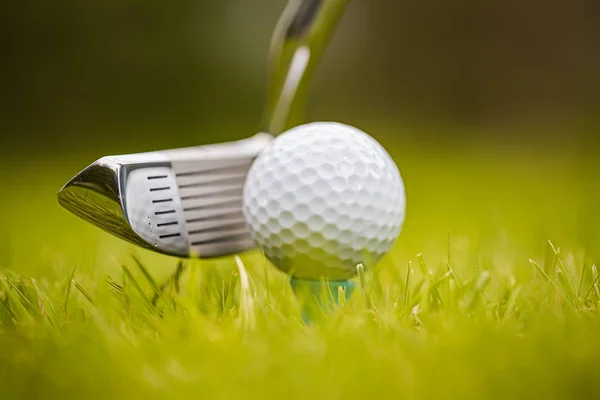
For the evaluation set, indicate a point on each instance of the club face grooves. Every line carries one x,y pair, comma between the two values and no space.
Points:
222,240
198,200
164,212
168,223
222,227
211,198
95,196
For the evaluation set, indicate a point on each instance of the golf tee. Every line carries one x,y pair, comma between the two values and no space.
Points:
319,298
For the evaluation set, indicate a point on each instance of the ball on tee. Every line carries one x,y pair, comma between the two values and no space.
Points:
322,198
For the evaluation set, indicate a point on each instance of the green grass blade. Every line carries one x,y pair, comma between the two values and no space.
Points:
551,258
7,309
581,279
27,303
408,283
137,287
53,317
593,285
157,290
65,305
84,293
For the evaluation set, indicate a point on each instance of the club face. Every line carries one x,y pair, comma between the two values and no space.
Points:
183,202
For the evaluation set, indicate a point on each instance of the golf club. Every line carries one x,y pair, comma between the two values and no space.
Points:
188,202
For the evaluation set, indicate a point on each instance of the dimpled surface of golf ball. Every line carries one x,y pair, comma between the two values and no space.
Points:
322,198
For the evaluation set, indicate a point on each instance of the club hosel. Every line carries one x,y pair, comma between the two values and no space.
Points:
298,42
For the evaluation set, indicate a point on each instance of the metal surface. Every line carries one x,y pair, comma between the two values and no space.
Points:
180,202
206,182
298,42
95,196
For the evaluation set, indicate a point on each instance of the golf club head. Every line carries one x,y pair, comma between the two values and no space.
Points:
183,202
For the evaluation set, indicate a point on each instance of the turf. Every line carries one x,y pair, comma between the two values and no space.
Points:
492,291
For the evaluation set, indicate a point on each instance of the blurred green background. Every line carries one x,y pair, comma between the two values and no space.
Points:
490,109
119,76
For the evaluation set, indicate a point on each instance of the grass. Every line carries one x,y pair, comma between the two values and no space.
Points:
492,291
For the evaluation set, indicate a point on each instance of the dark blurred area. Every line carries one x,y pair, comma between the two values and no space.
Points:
84,78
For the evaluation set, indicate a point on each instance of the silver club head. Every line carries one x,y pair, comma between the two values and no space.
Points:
182,202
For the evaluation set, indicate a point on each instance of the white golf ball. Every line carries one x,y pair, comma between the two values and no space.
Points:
322,198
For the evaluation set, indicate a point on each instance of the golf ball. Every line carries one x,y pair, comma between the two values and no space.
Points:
322,198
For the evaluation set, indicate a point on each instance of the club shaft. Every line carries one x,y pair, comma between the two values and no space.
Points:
298,42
